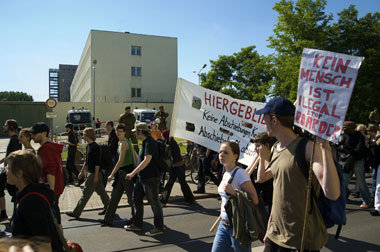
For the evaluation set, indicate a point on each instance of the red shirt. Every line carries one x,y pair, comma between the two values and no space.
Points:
50,154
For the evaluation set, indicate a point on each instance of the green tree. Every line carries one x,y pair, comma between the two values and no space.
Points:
15,96
299,25
243,75
360,36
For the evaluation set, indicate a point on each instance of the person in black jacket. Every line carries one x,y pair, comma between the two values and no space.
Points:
177,170
71,151
351,151
11,128
113,143
33,216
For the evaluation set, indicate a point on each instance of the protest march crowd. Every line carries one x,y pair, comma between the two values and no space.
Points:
255,194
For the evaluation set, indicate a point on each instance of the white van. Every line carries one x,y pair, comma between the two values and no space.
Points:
144,115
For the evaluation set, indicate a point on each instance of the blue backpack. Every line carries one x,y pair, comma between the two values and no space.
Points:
332,211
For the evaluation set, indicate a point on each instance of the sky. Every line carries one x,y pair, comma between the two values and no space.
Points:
38,35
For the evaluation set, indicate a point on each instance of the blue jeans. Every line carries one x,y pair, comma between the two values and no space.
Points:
223,240
374,173
359,171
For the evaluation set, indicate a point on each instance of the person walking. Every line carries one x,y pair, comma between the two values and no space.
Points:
94,177
51,157
351,151
24,139
147,183
205,156
113,147
177,170
123,166
374,160
129,120
10,127
71,151
33,216
285,225
228,155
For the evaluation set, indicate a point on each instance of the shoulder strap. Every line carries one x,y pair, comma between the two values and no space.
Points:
36,193
300,157
233,175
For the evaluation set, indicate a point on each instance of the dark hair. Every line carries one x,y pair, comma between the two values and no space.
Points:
26,132
234,147
145,133
127,107
372,128
28,163
69,125
12,124
122,127
110,123
286,121
161,107
264,138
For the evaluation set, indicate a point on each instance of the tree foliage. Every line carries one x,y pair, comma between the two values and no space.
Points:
15,96
243,75
300,24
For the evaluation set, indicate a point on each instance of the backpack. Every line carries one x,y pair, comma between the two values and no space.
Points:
105,157
57,235
332,211
163,161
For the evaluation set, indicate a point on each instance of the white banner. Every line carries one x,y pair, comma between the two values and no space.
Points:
208,118
326,81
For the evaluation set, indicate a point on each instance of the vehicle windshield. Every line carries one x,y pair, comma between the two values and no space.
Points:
80,118
147,116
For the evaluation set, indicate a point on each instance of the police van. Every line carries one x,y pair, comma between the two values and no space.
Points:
144,115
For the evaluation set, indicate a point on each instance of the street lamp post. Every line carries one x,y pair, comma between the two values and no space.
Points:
199,74
93,94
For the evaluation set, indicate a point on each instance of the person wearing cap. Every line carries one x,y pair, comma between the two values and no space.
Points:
177,170
50,154
94,178
161,115
285,226
147,183
351,151
129,120
374,162
10,127
154,131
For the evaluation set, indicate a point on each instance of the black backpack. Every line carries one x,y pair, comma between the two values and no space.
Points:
105,157
163,161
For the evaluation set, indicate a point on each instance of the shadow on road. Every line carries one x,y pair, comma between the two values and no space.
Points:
347,244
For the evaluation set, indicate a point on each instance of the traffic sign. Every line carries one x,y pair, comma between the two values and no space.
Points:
51,115
51,103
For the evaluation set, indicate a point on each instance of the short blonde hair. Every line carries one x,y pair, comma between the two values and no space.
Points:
90,133
360,127
27,162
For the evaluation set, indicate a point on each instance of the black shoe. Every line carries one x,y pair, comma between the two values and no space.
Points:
190,203
79,182
375,213
103,212
199,191
129,222
71,214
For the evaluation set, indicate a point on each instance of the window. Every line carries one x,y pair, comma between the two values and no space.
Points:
136,71
136,50
133,94
138,92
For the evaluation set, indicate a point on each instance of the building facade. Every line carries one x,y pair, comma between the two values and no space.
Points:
53,83
65,79
60,82
126,67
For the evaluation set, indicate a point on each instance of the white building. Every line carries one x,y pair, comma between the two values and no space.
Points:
129,68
